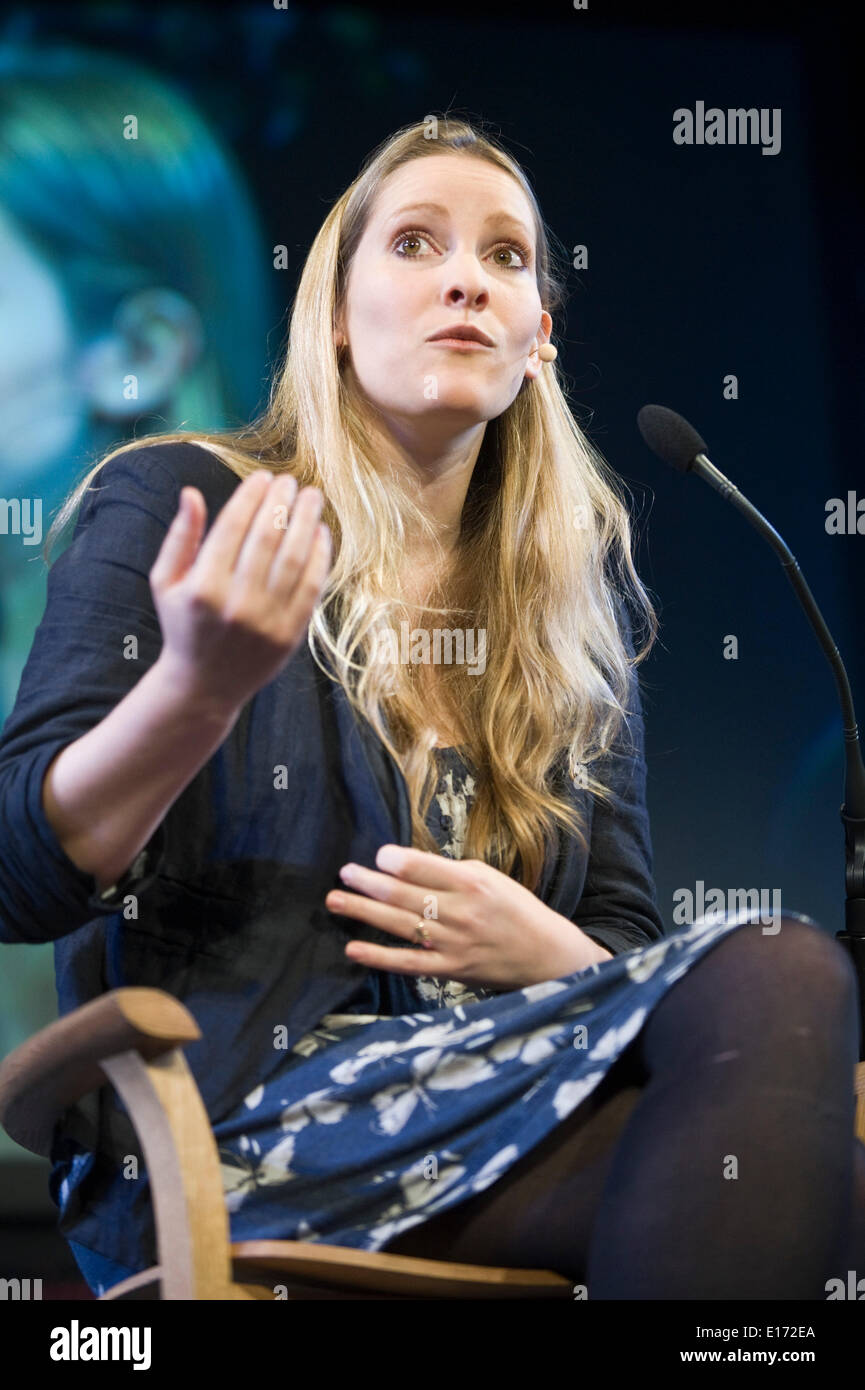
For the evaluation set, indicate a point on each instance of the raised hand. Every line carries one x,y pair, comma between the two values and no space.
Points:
234,609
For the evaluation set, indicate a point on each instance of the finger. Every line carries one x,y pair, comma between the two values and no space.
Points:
293,557
319,560
296,545
374,913
218,555
266,531
311,583
300,601
423,869
384,888
399,962
182,539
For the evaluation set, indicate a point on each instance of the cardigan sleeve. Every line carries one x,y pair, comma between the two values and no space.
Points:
618,907
98,635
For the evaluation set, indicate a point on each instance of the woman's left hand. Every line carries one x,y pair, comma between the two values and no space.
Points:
484,928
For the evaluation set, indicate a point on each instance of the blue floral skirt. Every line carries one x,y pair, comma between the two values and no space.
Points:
374,1124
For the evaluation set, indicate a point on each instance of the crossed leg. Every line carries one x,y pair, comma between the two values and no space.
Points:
716,1160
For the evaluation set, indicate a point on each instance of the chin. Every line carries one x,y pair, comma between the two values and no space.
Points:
461,415
462,396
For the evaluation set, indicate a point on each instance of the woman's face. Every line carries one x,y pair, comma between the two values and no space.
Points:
418,269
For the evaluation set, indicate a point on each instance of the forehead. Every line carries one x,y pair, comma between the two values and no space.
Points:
455,182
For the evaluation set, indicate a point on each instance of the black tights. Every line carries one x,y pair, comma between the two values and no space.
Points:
745,1065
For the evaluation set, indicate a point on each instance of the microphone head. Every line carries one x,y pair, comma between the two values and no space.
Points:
670,436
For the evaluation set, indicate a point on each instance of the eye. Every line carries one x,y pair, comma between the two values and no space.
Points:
407,236
413,234
520,249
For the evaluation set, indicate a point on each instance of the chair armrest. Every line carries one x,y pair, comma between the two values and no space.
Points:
61,1063
132,1039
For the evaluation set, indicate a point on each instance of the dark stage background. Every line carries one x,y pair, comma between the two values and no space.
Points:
704,262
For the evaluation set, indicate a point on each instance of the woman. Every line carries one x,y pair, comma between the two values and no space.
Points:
507,1061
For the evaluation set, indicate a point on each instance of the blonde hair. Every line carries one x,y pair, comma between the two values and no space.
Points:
542,562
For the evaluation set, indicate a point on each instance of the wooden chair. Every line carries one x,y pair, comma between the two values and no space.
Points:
134,1038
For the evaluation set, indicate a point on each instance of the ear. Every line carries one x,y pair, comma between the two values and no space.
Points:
534,364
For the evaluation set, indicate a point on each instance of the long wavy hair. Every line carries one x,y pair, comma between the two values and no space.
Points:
542,563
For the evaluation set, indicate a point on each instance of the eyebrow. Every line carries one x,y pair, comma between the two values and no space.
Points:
439,208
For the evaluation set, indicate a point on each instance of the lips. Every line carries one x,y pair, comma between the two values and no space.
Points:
464,332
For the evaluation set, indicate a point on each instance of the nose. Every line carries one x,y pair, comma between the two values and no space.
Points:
465,281
465,292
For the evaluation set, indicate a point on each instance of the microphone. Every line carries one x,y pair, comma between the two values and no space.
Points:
676,441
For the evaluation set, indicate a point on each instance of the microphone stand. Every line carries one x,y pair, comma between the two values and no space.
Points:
658,420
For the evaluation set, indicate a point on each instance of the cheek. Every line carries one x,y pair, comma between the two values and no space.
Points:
526,321
384,310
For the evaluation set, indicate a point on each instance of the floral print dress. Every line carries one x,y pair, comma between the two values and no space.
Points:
426,1091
